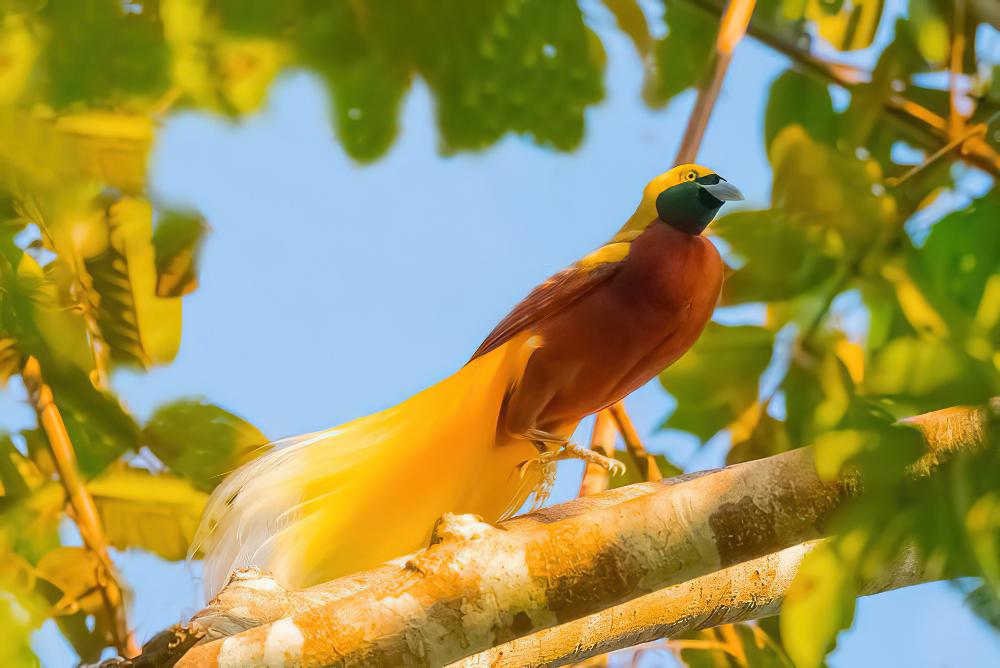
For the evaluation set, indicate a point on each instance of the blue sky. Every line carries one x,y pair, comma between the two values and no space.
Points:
329,290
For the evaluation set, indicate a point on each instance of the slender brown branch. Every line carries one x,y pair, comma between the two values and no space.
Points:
926,126
735,19
82,504
645,463
956,122
602,440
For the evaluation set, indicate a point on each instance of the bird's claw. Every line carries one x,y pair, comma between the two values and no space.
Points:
547,458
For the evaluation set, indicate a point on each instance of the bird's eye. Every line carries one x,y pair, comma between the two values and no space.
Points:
691,176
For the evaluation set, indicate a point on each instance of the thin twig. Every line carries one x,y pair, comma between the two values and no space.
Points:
978,129
955,120
602,440
733,26
81,502
931,128
644,462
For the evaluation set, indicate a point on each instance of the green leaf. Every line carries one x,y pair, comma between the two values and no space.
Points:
177,241
768,437
931,30
818,393
985,602
834,191
29,524
139,327
763,240
33,314
847,26
819,604
15,650
158,513
924,375
667,470
717,380
684,56
125,53
201,441
10,360
98,426
13,482
797,98
367,84
960,255
897,62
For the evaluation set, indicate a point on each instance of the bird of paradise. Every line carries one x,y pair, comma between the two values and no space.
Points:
483,440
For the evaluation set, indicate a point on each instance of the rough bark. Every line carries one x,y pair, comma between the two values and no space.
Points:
753,589
480,586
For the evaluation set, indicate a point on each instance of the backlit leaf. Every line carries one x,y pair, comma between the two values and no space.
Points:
201,441
177,240
796,98
683,57
632,475
158,513
848,26
819,604
140,327
717,380
77,572
762,241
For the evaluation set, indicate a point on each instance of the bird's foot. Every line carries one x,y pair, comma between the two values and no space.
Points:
564,449
552,449
574,451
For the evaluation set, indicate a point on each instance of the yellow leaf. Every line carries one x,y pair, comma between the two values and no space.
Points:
832,450
18,52
915,306
214,71
78,573
851,28
154,512
113,148
853,357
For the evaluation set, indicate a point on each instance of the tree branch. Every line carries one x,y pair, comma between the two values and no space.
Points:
602,440
84,510
931,129
754,589
479,586
735,18
644,461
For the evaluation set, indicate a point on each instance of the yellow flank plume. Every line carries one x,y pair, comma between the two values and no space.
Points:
327,504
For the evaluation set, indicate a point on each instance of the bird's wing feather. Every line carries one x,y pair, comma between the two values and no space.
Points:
557,293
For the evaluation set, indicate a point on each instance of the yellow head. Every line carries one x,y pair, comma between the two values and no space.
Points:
687,198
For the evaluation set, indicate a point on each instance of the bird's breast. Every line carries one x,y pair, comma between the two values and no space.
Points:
624,333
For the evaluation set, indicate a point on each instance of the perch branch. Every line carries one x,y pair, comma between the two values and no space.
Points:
754,589
481,586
